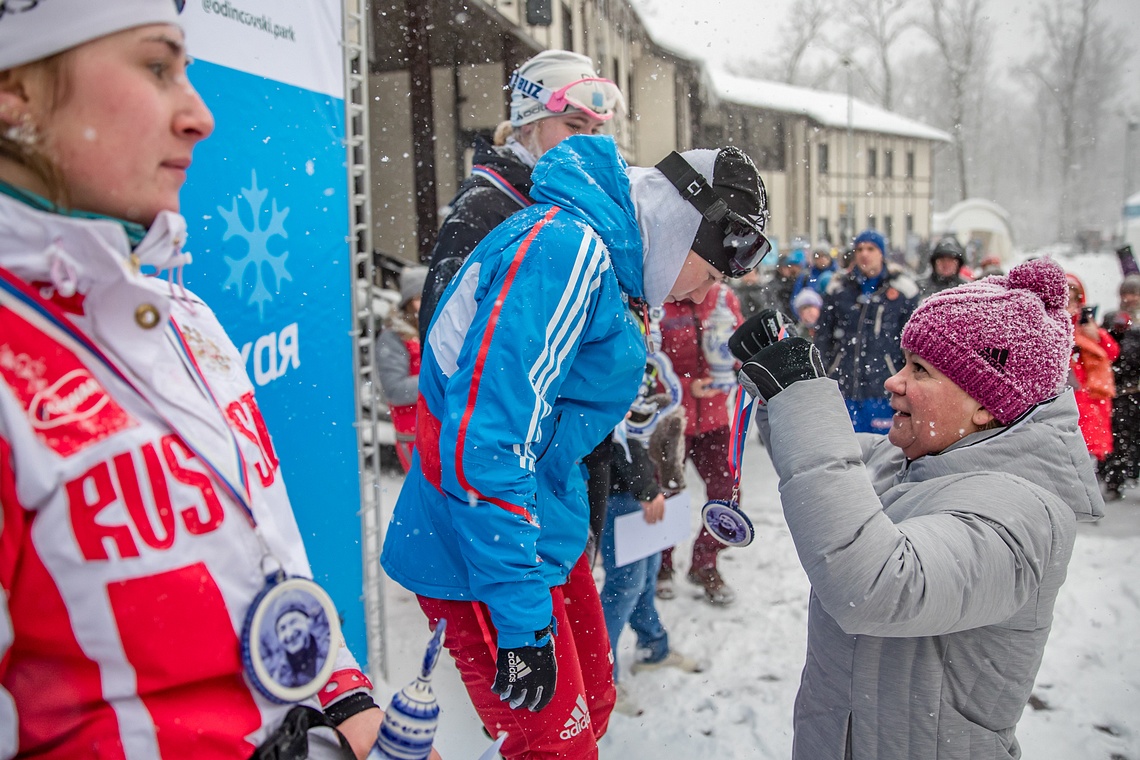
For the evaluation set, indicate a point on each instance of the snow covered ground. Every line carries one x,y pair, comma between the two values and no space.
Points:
1087,698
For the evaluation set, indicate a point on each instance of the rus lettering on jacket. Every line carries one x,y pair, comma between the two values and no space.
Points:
109,513
245,418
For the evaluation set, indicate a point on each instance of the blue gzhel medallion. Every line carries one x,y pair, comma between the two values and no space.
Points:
727,523
290,639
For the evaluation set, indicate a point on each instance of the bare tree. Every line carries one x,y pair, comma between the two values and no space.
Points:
879,24
962,35
1096,103
1080,53
804,28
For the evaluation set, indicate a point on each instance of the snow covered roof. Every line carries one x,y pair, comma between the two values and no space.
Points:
826,108
662,27
661,21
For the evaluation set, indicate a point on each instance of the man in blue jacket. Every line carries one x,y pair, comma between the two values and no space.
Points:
534,354
860,329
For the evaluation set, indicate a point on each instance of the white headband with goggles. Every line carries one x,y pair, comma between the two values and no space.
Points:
596,97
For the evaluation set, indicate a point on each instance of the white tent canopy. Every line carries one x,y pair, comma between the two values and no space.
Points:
977,219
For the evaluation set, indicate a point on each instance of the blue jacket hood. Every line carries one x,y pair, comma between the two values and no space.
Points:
585,175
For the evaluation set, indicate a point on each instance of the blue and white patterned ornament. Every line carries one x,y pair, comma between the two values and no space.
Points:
410,722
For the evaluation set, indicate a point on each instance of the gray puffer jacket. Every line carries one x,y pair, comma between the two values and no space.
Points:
933,581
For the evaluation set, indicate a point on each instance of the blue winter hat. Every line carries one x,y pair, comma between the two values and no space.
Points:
797,258
872,236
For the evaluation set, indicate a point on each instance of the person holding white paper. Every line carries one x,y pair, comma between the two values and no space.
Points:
628,596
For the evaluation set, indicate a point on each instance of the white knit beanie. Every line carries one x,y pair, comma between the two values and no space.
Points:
31,30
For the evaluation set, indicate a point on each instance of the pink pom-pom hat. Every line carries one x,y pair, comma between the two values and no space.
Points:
1005,340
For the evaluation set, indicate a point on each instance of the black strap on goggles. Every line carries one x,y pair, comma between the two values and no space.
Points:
693,187
744,245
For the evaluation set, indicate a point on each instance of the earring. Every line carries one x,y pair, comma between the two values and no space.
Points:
23,132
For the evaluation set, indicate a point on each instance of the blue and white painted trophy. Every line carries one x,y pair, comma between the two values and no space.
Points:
715,332
411,720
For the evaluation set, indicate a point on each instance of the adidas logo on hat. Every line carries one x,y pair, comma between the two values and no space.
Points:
997,357
578,721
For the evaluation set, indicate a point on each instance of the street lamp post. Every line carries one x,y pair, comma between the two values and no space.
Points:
850,215
1130,126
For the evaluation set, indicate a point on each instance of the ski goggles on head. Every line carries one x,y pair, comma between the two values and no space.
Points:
743,245
596,97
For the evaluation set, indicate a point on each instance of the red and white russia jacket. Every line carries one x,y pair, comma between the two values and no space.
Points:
127,570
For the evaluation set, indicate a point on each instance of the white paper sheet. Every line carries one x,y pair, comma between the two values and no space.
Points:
634,538
493,751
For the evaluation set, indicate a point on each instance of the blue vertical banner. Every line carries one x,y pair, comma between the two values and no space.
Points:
267,207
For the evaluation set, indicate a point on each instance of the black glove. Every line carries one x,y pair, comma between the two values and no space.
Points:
527,674
759,331
779,365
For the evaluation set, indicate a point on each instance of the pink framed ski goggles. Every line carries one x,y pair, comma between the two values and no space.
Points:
595,96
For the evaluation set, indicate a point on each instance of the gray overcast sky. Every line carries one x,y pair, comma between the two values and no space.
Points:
719,29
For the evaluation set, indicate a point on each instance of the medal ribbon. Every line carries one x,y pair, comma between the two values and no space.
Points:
739,435
25,301
242,496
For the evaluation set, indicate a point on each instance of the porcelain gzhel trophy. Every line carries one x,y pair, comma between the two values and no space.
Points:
715,332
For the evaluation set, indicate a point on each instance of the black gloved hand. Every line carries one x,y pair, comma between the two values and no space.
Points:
527,674
774,368
759,331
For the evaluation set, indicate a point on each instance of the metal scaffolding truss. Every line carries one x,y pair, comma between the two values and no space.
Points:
360,241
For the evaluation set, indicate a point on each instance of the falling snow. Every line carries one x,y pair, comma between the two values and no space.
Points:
1084,704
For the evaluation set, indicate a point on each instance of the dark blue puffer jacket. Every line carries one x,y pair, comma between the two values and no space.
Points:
859,333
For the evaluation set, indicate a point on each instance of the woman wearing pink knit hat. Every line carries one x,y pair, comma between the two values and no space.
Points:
935,554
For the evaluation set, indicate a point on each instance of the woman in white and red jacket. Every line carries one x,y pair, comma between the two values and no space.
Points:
141,500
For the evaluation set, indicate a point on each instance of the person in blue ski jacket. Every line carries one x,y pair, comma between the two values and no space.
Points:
534,354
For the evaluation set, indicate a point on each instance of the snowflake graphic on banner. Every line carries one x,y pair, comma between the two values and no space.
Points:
257,238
